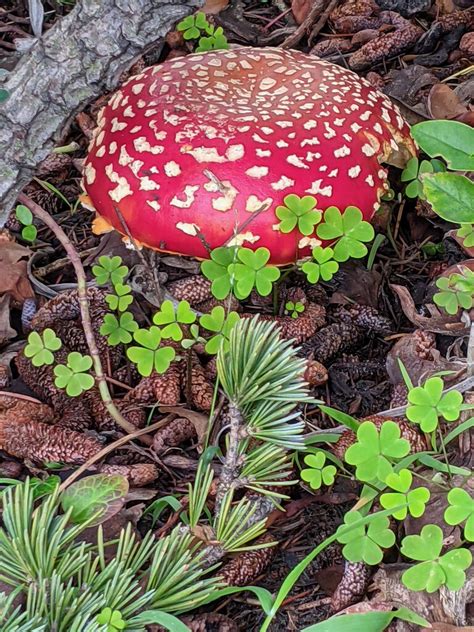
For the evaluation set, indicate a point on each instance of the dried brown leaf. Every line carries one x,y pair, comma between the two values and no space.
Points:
444,103
214,6
199,421
13,264
6,331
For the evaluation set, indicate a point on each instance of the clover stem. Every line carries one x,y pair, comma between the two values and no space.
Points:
46,218
429,481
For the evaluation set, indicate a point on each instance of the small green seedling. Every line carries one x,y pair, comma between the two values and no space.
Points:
294,309
215,41
109,270
172,318
252,271
122,299
427,403
350,231
414,172
318,473
323,265
435,570
25,217
216,270
375,451
74,375
461,509
365,543
298,212
149,356
466,233
197,27
195,338
414,500
118,330
112,619
40,347
457,291
221,325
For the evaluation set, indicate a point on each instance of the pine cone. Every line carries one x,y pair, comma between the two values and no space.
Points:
353,585
202,391
175,433
21,411
244,569
210,622
399,395
330,341
364,317
315,374
65,306
103,421
164,388
194,289
230,304
407,431
301,328
210,369
42,443
54,163
138,475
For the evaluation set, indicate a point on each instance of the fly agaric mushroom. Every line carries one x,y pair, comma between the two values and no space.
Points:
200,151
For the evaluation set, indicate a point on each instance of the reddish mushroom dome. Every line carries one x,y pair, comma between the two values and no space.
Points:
202,149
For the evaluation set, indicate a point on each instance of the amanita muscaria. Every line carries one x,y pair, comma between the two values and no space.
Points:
202,149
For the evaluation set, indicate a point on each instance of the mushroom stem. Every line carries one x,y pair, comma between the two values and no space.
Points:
41,214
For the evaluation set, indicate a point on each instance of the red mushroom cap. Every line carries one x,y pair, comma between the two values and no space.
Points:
203,149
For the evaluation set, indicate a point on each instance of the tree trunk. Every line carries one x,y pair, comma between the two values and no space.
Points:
82,55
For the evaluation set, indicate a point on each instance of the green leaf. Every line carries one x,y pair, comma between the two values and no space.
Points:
41,346
411,170
172,317
252,271
324,266
461,509
216,270
29,233
100,497
4,95
451,140
427,403
110,269
342,418
118,331
150,356
318,473
216,321
161,618
466,233
298,211
24,215
451,196
375,451
414,500
349,229
72,376
372,621
112,619
365,543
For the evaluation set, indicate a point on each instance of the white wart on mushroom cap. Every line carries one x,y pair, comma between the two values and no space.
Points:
205,147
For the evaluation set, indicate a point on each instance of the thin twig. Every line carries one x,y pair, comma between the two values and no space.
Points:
293,39
320,24
46,218
229,471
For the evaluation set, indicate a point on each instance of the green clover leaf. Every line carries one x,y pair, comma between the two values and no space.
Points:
466,232
374,451
252,271
461,509
349,229
41,346
149,356
415,500
294,309
222,325
298,211
121,299
24,215
112,619
457,292
427,403
324,266
110,269
216,270
365,542
192,26
118,330
318,473
216,41
73,376
435,570
173,317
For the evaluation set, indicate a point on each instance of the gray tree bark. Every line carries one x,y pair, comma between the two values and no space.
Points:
79,58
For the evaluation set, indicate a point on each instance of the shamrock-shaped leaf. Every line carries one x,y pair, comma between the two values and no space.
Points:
216,270
364,543
216,41
457,291
118,330
173,317
122,298
374,451
435,570
294,309
192,25
110,269
149,356
466,233
349,229
188,343
298,211
74,376
427,403
414,500
252,271
112,619
461,508
324,266
318,473
41,346
222,325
